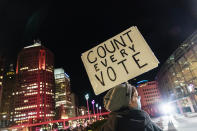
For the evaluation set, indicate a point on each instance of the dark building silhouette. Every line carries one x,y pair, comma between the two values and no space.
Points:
34,94
3,122
2,68
6,110
75,103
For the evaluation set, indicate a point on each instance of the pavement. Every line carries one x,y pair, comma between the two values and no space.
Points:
190,114
186,122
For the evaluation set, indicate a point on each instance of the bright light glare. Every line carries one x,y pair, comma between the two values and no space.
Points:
87,96
82,112
190,87
64,117
166,108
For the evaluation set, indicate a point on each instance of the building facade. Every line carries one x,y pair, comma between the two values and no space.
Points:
2,66
34,93
74,100
63,103
82,111
150,97
9,84
177,78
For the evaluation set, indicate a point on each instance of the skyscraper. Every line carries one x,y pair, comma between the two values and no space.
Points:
2,63
74,99
9,85
177,77
64,107
34,95
2,71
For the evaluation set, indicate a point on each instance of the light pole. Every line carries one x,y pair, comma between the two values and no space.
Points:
97,108
97,111
100,110
93,106
87,97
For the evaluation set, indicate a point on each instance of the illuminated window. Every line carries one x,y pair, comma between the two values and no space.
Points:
33,69
24,68
1,77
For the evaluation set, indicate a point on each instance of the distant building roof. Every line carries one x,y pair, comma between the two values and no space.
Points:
34,45
143,81
59,71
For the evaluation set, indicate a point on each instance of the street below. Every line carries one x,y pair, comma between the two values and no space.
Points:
177,122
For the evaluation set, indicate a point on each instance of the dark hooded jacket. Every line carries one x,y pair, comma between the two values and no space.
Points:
129,119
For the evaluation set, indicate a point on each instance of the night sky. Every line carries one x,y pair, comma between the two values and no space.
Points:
68,29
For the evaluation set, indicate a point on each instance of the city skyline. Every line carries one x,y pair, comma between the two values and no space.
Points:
53,53
70,31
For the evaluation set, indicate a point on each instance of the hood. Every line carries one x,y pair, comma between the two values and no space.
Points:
118,97
130,119
134,115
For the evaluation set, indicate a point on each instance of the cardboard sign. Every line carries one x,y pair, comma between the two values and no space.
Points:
118,59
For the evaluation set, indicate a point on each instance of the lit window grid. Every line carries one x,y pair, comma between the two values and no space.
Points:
62,94
31,92
149,94
188,73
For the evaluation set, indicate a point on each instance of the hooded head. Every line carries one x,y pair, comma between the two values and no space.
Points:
119,97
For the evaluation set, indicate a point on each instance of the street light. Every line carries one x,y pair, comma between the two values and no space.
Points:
97,108
97,111
93,106
4,116
100,110
87,97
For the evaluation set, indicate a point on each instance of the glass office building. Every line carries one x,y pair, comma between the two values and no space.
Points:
177,78
63,103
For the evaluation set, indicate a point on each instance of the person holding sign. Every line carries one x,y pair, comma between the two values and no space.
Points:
126,114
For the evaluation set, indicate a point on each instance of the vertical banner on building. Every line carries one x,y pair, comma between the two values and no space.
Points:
42,58
118,59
